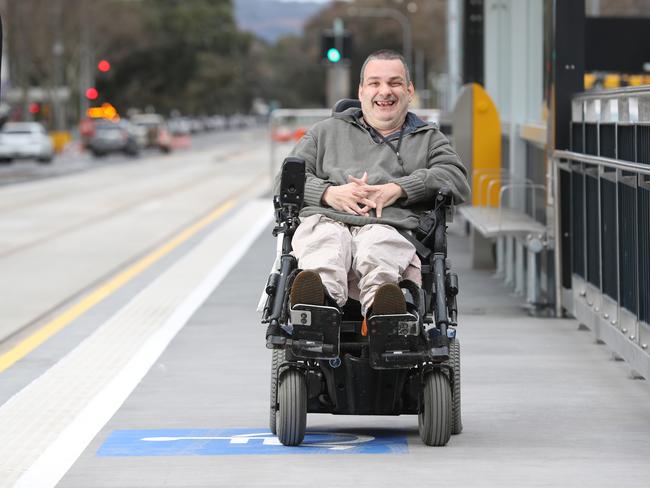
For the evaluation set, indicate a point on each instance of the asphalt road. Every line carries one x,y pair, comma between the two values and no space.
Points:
74,160
60,236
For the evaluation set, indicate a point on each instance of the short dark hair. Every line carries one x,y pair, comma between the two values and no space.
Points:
386,54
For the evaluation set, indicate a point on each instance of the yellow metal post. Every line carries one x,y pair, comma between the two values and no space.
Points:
486,149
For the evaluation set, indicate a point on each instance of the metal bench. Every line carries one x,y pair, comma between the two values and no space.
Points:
494,222
516,234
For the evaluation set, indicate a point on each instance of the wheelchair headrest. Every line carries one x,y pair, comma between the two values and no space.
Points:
344,104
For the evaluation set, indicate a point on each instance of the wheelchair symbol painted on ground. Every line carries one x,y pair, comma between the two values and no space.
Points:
336,442
206,442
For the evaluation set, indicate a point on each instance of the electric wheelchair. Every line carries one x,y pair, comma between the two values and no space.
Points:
323,363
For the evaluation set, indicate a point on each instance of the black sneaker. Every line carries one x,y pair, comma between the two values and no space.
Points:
389,300
307,289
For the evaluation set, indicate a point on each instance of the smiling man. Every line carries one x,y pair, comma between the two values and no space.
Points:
370,172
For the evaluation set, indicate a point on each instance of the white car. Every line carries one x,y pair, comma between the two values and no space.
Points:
25,140
151,131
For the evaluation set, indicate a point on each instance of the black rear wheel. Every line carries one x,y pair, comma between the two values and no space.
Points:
434,419
292,407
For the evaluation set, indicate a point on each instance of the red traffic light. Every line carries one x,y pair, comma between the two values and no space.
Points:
92,94
104,66
34,108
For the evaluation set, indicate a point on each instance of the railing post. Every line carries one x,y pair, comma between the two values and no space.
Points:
557,225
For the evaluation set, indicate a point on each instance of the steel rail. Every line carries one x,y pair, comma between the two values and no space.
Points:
602,161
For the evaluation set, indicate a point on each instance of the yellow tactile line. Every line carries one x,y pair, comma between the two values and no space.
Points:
26,346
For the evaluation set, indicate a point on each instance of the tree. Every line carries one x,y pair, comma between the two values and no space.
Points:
53,43
290,73
193,60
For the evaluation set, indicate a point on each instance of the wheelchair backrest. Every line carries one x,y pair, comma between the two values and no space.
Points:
344,104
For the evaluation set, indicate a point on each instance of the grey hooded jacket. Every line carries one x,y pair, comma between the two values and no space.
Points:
343,145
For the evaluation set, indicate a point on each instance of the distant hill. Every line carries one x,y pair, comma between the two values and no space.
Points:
270,19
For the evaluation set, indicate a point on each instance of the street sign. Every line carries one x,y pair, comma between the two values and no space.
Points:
223,442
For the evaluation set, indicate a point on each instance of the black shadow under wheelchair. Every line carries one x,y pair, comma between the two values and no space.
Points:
323,363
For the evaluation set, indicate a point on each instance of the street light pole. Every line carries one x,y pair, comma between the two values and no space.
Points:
56,94
405,23
86,72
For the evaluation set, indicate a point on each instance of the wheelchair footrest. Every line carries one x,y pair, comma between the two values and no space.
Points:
316,331
406,359
395,342
394,325
439,354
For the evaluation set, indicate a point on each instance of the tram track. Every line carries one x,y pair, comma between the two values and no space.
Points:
120,209
18,187
186,189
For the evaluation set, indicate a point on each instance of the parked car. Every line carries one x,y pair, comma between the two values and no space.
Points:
25,140
153,131
180,126
111,137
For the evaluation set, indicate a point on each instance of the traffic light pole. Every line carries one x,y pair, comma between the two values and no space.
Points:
87,74
338,82
338,73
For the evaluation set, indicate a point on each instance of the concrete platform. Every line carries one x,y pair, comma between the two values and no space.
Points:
542,405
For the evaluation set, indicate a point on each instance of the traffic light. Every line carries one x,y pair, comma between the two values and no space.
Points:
336,50
92,93
333,55
104,66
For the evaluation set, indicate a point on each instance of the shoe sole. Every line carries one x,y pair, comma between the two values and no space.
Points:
307,288
389,300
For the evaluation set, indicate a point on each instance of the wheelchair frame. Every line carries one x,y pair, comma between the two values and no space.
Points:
407,364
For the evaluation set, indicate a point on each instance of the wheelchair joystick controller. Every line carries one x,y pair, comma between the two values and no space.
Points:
289,202
287,208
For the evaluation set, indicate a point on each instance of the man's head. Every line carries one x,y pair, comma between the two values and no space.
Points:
385,90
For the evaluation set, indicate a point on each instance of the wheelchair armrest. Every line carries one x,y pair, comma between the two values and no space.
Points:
441,211
444,198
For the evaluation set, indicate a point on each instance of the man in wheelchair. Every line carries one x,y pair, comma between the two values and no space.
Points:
362,201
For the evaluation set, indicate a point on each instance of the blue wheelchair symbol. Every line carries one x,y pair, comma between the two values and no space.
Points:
208,442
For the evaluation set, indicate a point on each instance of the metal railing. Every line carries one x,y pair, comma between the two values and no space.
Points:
602,221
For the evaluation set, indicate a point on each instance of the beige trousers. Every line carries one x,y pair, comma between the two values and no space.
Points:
354,261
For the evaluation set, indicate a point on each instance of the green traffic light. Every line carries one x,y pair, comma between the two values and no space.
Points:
334,55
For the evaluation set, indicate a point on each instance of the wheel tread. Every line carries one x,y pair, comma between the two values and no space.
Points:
292,413
454,361
277,359
434,420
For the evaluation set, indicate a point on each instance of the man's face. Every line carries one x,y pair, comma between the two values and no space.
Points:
384,94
